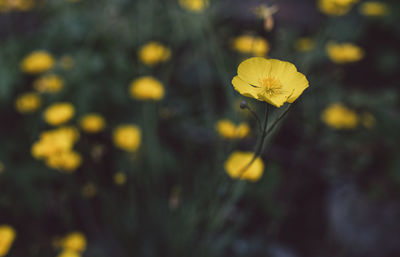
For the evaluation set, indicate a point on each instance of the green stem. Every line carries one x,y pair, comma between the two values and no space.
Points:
278,119
259,148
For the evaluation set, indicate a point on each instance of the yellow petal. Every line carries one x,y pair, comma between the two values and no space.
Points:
244,88
276,100
253,70
294,83
299,84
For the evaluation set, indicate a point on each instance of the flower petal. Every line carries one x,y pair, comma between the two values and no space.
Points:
299,84
244,88
254,70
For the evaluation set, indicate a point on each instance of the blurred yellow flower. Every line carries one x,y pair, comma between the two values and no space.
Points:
146,88
89,190
19,5
92,123
153,53
55,148
55,141
28,103
37,62
227,129
127,137
75,241
367,120
269,80
7,236
66,62
194,5
344,53
335,7
67,161
236,164
120,178
50,83
67,253
247,44
59,113
339,116
374,8
304,44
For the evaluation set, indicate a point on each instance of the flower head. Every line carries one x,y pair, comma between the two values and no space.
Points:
247,44
55,147
28,103
127,137
119,178
194,5
92,123
37,62
7,236
153,53
336,7
269,80
344,53
339,116
67,253
237,162
374,8
50,83
146,88
227,129
59,113
75,241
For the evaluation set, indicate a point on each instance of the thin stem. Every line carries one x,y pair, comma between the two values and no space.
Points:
278,119
264,133
255,116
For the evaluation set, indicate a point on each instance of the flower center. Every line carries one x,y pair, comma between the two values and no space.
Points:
271,86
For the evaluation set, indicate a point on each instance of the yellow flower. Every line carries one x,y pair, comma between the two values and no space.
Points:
20,5
194,5
247,44
237,162
89,190
48,83
344,53
67,161
75,241
367,120
66,62
55,141
228,130
336,7
67,253
146,88
269,80
127,137
339,116
59,113
374,8
37,62
120,178
153,53
304,44
7,236
28,103
92,123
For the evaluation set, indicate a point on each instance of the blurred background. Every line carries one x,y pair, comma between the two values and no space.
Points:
117,118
